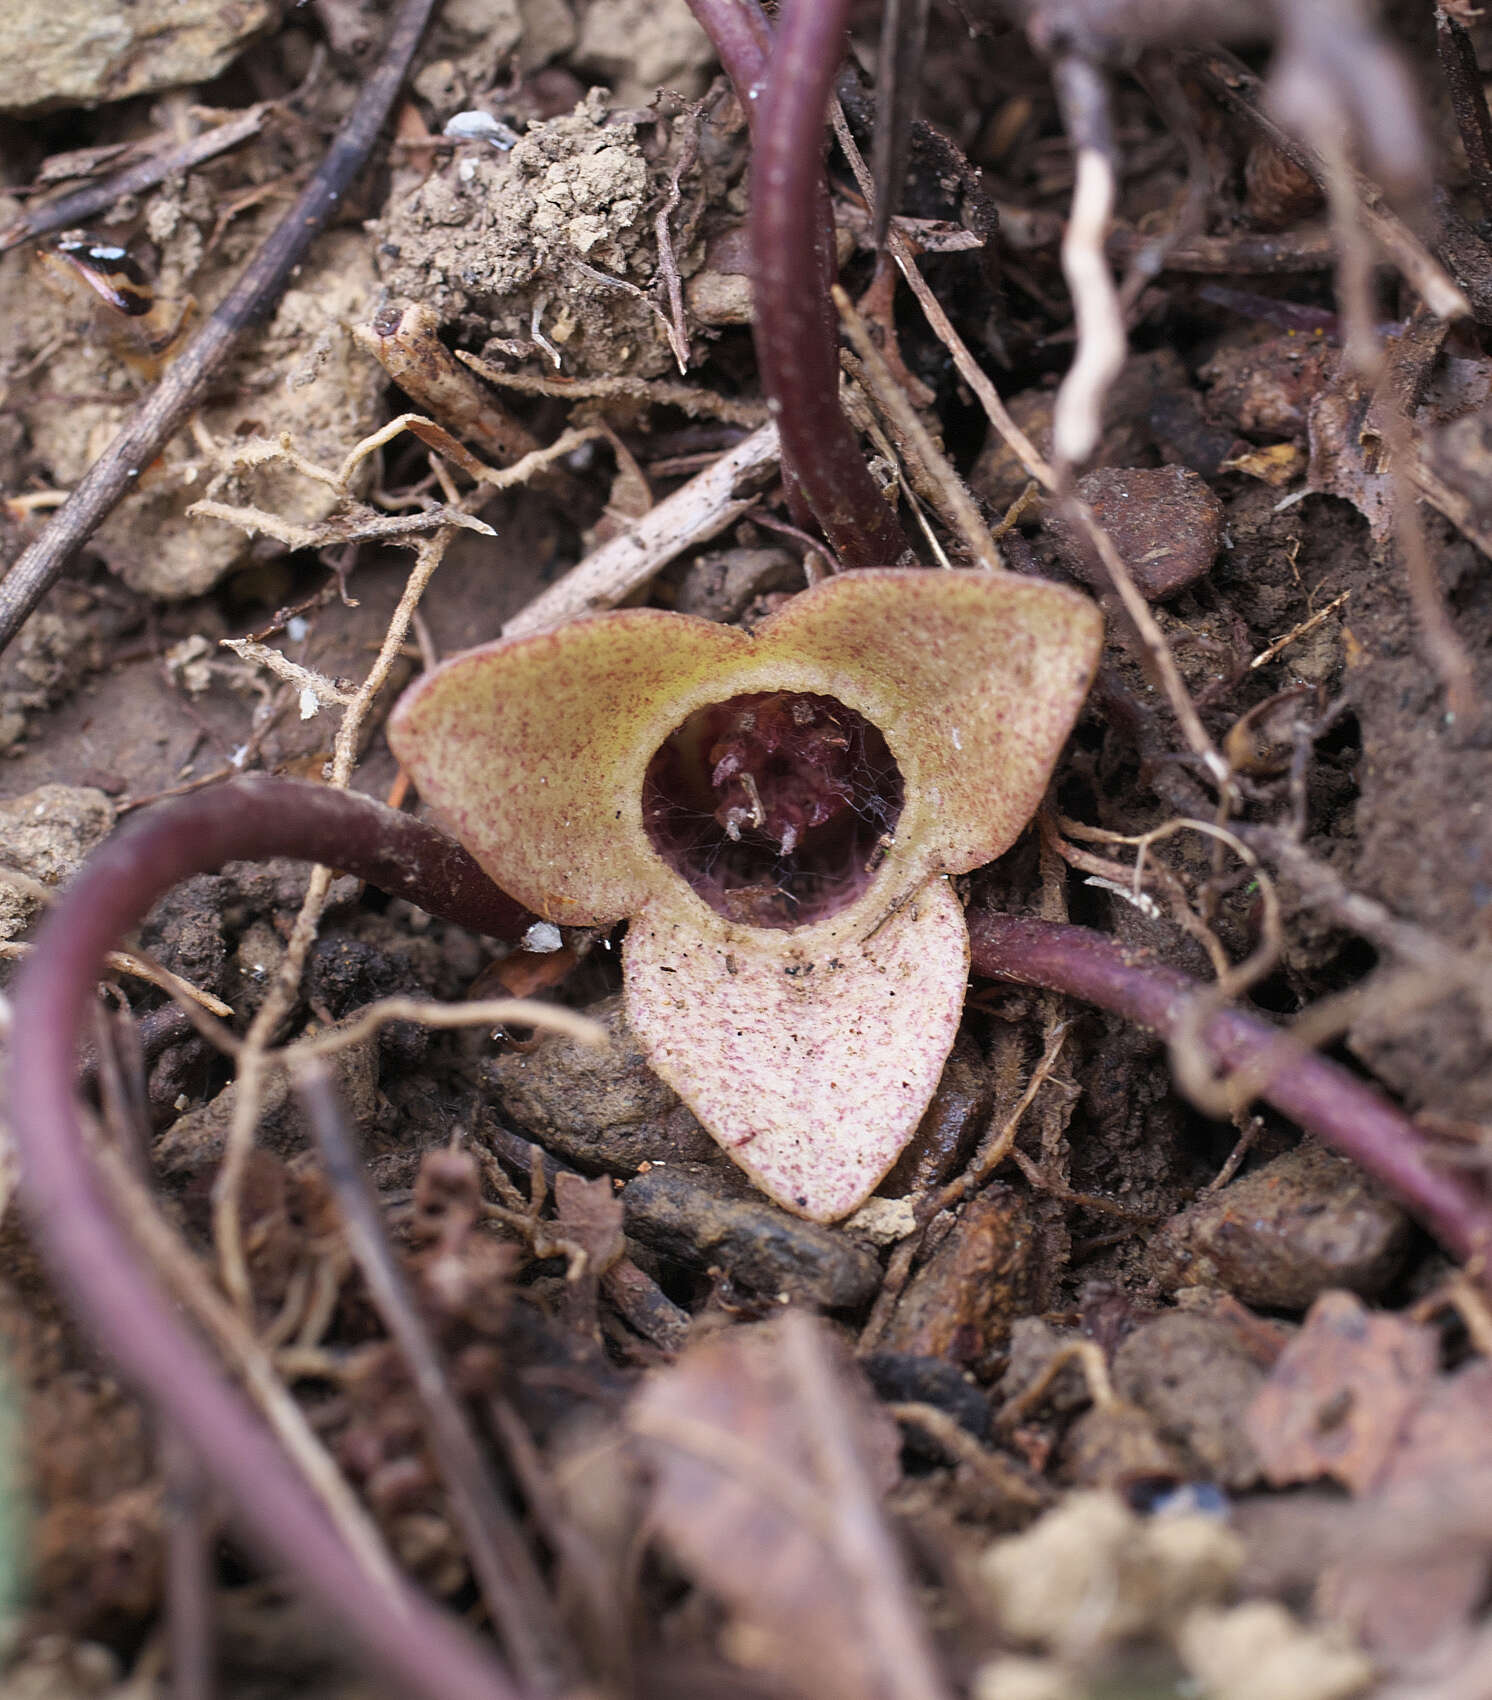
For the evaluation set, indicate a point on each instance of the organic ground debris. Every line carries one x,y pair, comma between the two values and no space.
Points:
1118,1381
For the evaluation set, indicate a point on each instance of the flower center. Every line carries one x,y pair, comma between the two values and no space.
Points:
777,808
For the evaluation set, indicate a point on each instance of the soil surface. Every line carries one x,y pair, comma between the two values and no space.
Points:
1163,1397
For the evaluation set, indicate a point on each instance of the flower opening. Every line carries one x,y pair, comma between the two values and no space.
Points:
777,807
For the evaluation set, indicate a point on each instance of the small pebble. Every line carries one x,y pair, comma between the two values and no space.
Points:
1165,522
1286,1233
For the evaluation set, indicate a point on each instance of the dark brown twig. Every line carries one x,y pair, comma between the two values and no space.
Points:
83,203
158,419
1468,101
511,1587
1239,89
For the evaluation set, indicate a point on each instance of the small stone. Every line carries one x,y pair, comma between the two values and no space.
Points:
1286,1233
601,1107
78,53
45,835
1165,522
681,1214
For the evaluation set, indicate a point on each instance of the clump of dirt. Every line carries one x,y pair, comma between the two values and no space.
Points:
551,245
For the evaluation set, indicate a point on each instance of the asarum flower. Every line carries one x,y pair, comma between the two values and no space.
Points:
777,814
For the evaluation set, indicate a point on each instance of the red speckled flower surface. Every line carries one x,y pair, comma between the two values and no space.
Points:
776,813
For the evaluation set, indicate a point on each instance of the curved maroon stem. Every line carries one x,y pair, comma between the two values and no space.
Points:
1324,1098
797,344
399,1634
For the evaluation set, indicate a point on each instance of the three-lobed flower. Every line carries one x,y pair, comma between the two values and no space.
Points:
777,815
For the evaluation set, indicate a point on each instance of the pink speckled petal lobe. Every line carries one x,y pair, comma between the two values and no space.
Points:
809,1057
974,678
533,752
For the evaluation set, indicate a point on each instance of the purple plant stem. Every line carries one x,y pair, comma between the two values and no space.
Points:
1323,1097
797,345
398,1633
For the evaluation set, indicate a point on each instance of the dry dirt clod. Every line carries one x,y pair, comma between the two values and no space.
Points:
549,245
1165,522
195,1141
1258,1651
1285,1233
1195,1378
1090,1573
45,835
759,1247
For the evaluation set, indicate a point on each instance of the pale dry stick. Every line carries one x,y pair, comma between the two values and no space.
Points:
1302,630
1077,420
913,477
436,437
228,1186
126,962
1447,654
182,1276
694,513
1362,349
1089,1359
688,398
858,1536
349,527
994,1469
956,505
1154,640
968,367
488,1012
307,681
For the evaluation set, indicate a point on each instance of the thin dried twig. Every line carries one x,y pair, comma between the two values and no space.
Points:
1238,88
165,411
698,511
692,399
411,352
955,504
173,160
512,1589
1463,78
279,998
